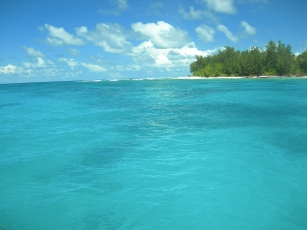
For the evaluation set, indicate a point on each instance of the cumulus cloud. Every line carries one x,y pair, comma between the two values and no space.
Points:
31,51
221,6
12,69
162,34
196,14
40,63
146,54
36,68
205,33
8,69
190,50
248,29
70,62
228,34
58,36
107,36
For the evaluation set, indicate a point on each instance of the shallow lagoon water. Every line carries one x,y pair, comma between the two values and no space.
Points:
154,154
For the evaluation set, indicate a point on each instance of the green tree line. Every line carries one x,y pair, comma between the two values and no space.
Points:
275,59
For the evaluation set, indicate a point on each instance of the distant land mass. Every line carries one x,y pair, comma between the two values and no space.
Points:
276,60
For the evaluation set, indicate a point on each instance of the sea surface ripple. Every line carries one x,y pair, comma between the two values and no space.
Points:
154,154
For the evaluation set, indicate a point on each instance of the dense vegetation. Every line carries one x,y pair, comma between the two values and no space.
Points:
275,59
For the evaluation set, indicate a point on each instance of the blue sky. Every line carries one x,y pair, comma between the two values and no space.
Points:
54,40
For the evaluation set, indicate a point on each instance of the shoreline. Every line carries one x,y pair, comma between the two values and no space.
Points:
239,77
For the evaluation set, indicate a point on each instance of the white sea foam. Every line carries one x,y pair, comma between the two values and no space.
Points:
91,81
225,77
205,78
137,79
189,78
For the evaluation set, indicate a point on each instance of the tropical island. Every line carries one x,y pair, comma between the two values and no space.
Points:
276,59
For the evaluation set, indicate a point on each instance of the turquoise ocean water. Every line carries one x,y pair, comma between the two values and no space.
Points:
154,154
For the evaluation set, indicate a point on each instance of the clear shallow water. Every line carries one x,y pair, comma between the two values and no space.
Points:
154,154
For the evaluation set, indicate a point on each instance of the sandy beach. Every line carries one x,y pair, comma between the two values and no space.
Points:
238,77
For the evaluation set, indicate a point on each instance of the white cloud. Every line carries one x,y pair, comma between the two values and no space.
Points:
190,50
12,69
31,51
58,36
146,54
162,34
73,63
108,36
221,6
205,33
8,69
197,14
228,34
74,52
70,62
248,29
40,69
40,63
192,14
93,68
